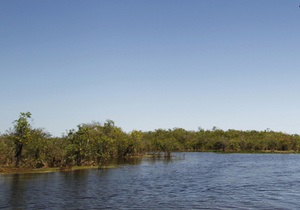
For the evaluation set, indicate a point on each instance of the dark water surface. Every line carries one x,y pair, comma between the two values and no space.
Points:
196,181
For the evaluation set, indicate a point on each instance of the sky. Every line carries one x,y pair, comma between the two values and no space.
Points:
151,64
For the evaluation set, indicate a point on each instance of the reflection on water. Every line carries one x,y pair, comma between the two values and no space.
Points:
196,180
126,161
16,191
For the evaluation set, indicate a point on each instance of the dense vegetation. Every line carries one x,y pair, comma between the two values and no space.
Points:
96,143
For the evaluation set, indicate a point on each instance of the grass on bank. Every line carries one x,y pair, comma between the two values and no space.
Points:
14,170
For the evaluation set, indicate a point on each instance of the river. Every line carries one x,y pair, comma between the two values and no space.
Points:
186,181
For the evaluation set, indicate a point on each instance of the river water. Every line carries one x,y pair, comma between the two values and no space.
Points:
186,181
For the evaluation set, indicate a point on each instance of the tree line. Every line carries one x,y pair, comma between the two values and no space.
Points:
95,144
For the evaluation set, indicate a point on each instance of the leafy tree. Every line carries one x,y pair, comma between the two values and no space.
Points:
79,143
22,130
135,146
97,143
7,151
35,150
55,152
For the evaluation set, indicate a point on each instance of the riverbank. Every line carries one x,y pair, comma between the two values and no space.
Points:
14,170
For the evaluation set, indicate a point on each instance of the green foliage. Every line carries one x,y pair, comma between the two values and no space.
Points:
96,143
22,131
55,152
7,150
35,149
135,143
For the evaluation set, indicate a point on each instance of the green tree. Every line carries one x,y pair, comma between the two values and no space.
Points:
22,130
135,146
79,144
7,150
35,148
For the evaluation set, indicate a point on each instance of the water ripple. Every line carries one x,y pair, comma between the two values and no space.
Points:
200,181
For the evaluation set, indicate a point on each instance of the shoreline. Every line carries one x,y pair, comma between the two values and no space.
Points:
13,170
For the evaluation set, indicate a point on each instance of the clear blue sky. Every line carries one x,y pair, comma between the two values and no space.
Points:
151,64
